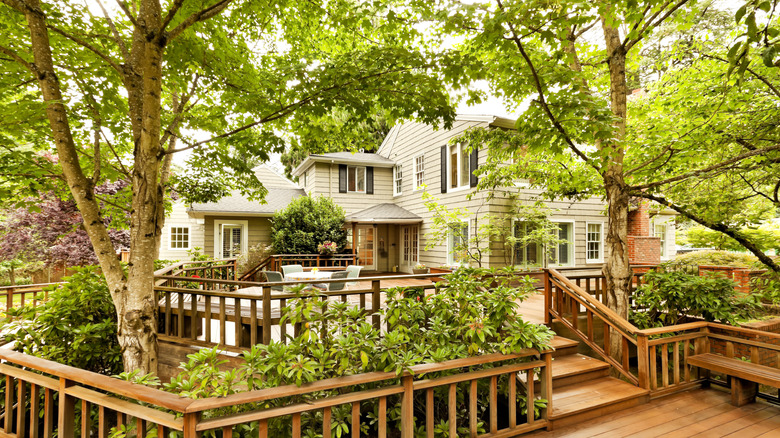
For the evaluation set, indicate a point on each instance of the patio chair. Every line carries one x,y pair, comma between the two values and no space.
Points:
274,277
338,285
289,269
353,271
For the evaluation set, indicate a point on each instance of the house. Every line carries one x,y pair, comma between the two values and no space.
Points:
230,226
387,220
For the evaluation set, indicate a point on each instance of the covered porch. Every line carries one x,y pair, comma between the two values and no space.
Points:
385,238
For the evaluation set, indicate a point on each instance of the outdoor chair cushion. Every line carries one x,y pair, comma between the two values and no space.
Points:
274,277
289,269
337,285
353,271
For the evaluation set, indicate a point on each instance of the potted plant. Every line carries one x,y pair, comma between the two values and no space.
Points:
327,248
420,269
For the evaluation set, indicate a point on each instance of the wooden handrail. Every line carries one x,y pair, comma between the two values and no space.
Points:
22,287
602,309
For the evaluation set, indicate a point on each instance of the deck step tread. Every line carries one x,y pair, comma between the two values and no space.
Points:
572,399
559,343
573,364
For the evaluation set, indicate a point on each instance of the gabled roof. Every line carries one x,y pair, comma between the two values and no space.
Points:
271,178
384,213
352,158
277,198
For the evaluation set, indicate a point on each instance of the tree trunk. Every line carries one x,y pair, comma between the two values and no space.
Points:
616,269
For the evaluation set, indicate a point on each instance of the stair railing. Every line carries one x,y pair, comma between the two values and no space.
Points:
566,302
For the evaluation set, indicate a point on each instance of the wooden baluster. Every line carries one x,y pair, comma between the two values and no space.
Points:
375,302
35,409
529,398
589,315
362,301
189,428
103,425
266,315
575,314
282,327
66,412
642,359
21,407
227,432
429,423
606,338
222,321
296,426
653,372
686,352
237,306
473,408
452,403
625,353
253,322
545,383
754,355
664,364
383,417
194,320
140,428
729,349
262,429
9,301
180,317
207,317
355,426
676,363
547,298
9,403
167,313
407,407
493,404
48,413
326,414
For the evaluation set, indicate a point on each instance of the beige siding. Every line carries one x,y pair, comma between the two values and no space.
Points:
327,184
179,218
259,231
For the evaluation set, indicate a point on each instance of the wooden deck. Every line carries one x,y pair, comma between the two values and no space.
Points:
695,413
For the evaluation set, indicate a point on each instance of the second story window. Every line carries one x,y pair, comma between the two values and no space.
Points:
356,179
458,164
398,178
419,171
594,243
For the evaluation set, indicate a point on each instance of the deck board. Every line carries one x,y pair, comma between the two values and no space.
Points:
699,412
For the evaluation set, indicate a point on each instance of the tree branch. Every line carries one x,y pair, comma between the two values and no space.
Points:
119,41
171,13
122,169
761,78
202,15
179,110
18,59
649,25
123,5
542,102
707,169
734,234
88,46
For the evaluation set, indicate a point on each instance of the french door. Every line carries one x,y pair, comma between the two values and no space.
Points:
366,246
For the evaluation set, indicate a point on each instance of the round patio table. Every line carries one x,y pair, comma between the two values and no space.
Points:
308,275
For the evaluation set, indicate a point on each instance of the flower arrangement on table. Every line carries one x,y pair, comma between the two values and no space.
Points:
327,248
420,268
315,270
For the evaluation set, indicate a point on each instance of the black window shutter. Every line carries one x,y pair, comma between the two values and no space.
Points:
370,180
473,180
444,169
342,178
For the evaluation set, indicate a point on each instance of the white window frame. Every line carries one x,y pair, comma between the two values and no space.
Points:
398,179
450,244
218,223
601,243
305,178
571,242
357,169
461,147
170,238
419,171
539,248
410,245
662,236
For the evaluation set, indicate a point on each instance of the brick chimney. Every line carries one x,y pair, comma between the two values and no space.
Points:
642,248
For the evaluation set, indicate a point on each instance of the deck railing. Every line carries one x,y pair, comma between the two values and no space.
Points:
43,397
248,313
14,297
654,359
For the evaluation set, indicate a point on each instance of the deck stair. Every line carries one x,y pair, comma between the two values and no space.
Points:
582,388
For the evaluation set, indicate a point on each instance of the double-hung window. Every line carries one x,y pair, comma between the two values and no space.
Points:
398,178
526,254
562,254
458,243
419,171
660,232
458,166
356,179
594,242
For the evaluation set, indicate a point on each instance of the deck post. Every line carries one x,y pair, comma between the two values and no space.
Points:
546,389
407,407
266,315
642,358
66,410
190,424
375,303
9,301
547,298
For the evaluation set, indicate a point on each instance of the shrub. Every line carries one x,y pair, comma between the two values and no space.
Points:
465,318
306,223
77,326
712,258
669,298
254,255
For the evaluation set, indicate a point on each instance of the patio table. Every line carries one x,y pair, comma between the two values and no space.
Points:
302,276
